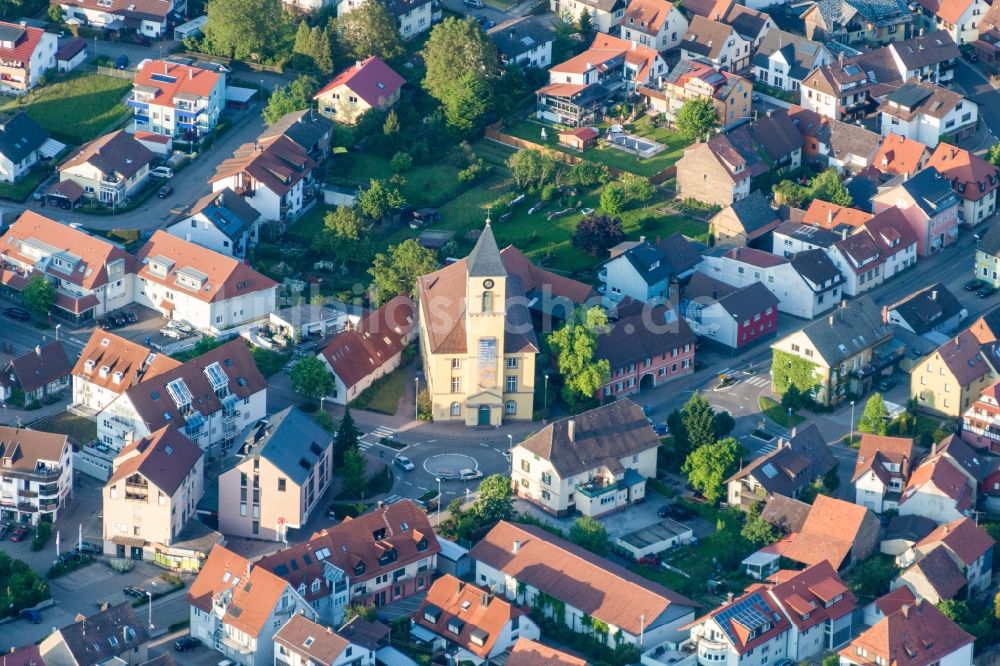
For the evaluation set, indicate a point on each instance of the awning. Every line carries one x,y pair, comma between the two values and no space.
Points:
423,634
167,305
128,541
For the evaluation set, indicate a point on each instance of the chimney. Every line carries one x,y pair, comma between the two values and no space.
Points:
484,599
840,58
517,547
770,112
885,314
729,597
379,504
642,239
933,453
571,430
249,568
843,233
358,64
843,304
38,351
829,217
934,295
461,585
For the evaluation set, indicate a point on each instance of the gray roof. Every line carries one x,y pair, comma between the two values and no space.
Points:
647,333
227,211
104,635
291,441
665,259
785,513
817,268
800,53
793,465
754,212
848,330
484,260
928,308
601,436
520,35
990,243
808,233
605,5
306,128
910,528
20,136
741,302
931,191
924,50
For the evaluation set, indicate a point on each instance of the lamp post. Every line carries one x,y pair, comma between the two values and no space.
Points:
150,595
510,451
850,442
438,479
58,326
416,398
546,399
322,398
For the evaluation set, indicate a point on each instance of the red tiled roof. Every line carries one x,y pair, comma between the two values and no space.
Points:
899,155
949,10
963,537
828,533
809,591
134,361
171,79
276,162
877,449
915,635
970,176
754,257
24,46
942,474
372,80
527,652
829,216
890,603
320,645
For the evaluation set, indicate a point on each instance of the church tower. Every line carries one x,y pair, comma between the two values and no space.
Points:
485,317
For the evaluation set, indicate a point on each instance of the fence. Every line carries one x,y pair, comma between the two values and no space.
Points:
116,73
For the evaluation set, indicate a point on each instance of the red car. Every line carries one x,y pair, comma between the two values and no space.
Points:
19,534
651,560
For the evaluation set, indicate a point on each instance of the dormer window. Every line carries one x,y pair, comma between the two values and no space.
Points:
422,544
359,568
88,366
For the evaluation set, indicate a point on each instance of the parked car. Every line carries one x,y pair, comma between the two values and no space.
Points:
986,291
886,384
120,319
31,615
121,62
19,314
68,556
430,505
165,192
478,4
469,474
133,591
974,285
661,429
651,560
186,643
726,381
676,512
180,325
161,172
88,548
404,463
131,316
19,534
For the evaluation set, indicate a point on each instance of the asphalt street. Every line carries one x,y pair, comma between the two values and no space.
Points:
977,88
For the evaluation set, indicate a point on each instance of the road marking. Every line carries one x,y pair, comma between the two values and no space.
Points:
723,371
484,444
498,450
431,441
407,483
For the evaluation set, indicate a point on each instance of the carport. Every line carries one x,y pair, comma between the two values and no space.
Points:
65,194
654,538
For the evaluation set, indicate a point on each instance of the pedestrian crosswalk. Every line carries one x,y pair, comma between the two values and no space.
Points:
392,499
370,439
759,381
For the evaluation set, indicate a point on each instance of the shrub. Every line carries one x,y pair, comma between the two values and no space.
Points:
121,565
42,535
401,162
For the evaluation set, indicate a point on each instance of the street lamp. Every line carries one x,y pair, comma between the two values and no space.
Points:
851,441
546,392
150,595
438,479
322,398
416,398
510,451
58,326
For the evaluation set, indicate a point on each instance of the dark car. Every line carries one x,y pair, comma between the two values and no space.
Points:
31,615
87,548
131,316
165,192
886,384
986,291
68,556
661,429
120,319
133,591
19,534
121,62
107,323
186,643
18,313
429,506
676,512
651,560
974,285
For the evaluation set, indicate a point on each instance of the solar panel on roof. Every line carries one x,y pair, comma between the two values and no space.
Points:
164,78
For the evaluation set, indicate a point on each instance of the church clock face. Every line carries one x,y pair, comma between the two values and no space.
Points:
488,284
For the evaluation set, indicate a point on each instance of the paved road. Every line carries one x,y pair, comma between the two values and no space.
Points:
978,89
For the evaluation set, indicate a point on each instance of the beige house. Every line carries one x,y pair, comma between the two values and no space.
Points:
595,462
948,381
369,84
476,339
279,475
154,487
110,168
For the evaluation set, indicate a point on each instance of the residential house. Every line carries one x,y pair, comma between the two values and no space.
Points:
280,474
36,477
716,172
359,356
302,642
986,45
896,240
806,285
717,43
835,531
594,462
857,21
973,179
730,94
784,59
26,54
932,312
151,495
572,104
21,142
92,276
881,471
847,89
527,652
789,469
988,257
478,369
412,18
110,168
658,24
525,41
149,18
238,606
981,422
368,84
935,577
176,100
968,547
858,257
848,350
71,54
274,175
646,349
830,216
959,20
213,397
900,156
221,221
928,113
308,129
529,565
109,365
605,15
902,533
646,271
965,458
920,631
831,143
948,381
750,622
43,371
785,513
469,623
791,237
212,292
713,9
115,635
777,135
938,490
929,206
734,318
378,558
750,24
930,57
819,606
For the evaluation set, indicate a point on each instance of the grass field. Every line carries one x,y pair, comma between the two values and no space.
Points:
79,108
383,396
426,186
777,413
79,429
23,188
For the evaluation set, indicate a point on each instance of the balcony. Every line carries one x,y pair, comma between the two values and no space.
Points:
710,652
235,646
135,491
596,487
49,507
602,275
27,508
137,103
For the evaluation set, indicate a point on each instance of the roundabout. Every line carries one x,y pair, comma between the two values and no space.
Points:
448,465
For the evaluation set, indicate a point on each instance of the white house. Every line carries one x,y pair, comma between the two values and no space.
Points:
231,397
110,169
717,43
524,41
645,271
529,565
595,462
784,59
938,490
969,547
149,17
302,642
918,630
759,636
655,23
21,139
606,15
960,19
238,607
881,471
732,317
213,292
25,55
927,113
221,221
926,57
412,18
177,100
36,475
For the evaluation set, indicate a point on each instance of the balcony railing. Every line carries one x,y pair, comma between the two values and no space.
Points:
596,487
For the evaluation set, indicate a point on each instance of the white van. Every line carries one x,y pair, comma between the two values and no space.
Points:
161,172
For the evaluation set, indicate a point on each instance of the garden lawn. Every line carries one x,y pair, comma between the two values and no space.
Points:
80,108
427,185
269,362
79,429
23,188
777,413
383,395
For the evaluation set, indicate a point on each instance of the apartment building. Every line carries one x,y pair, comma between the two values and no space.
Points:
109,365
920,631
730,94
175,100
25,55
949,380
413,17
36,475
973,179
606,15
928,113
109,169
929,205
279,474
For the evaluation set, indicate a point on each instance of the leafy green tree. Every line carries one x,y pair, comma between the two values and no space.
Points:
710,465
699,421
996,598
355,479
575,345
723,424
695,119
638,188
253,30
956,610
870,578
378,199
364,611
827,187
346,438
39,295
589,533
682,445
325,421
401,162
370,30
345,233
53,13
613,199
793,399
461,63
587,174
993,156
396,271
875,417
757,531
494,502
531,168
791,193
594,234
295,96
831,660
310,378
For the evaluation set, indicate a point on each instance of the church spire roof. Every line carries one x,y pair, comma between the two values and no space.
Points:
484,260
